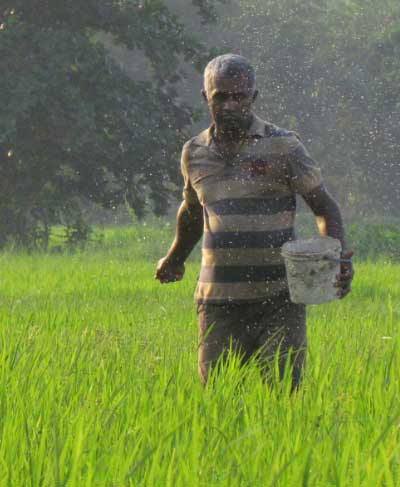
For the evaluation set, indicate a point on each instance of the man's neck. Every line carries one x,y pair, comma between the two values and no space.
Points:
224,135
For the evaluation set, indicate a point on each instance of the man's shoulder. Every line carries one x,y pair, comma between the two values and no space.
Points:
279,138
273,130
195,143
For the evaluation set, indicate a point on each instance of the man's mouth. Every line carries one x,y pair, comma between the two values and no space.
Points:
231,118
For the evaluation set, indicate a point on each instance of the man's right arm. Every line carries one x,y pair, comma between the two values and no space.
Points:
189,230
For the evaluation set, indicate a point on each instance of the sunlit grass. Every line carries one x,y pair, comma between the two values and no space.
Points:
99,386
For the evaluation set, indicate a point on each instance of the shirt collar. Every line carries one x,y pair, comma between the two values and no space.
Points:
257,127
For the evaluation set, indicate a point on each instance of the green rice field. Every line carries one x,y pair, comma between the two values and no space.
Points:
99,385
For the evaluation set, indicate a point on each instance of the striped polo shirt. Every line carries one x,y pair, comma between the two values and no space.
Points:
249,205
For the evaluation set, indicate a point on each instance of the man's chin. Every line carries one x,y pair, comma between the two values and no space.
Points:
232,124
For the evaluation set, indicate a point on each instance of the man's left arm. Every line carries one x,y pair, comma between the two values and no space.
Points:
330,223
305,179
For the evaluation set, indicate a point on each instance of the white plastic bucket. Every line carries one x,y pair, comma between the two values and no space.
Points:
311,267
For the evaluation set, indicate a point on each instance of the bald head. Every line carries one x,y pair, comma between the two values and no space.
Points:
231,66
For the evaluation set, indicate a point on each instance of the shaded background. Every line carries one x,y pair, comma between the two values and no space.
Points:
98,97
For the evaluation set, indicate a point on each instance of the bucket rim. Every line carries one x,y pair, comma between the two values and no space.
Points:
291,247
306,254
306,257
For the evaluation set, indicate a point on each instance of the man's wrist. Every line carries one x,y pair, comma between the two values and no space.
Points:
175,260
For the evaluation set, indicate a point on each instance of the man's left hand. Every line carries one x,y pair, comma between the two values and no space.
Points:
346,275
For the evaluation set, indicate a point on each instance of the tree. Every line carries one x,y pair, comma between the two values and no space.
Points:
330,69
374,51
73,125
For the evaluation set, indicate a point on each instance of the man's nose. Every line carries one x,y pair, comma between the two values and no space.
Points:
230,105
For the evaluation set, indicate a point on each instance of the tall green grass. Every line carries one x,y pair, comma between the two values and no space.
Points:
99,386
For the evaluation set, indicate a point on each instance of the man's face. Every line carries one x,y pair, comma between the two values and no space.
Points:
229,99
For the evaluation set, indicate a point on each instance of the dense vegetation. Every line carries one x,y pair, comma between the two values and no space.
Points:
83,122
331,70
98,379
152,237
99,387
73,126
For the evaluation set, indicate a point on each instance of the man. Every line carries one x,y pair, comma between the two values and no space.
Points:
241,178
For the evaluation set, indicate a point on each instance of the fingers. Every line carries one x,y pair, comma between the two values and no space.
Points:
167,279
165,276
344,279
344,292
344,288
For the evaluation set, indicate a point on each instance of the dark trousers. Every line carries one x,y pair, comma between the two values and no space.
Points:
253,328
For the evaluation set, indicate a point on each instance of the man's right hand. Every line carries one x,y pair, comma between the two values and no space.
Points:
168,272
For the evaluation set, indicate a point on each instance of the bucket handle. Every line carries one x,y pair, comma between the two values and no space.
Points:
349,261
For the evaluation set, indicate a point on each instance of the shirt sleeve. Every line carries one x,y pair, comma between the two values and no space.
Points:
189,194
304,175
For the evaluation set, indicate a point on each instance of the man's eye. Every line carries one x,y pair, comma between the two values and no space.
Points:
220,97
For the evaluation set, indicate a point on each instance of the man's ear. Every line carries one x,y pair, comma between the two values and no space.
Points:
204,94
255,94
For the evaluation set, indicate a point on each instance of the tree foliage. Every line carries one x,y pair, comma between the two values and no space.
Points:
330,68
73,125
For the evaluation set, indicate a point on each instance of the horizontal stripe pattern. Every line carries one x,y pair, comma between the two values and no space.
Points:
251,206
218,292
244,189
230,257
249,202
247,240
242,273
247,223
